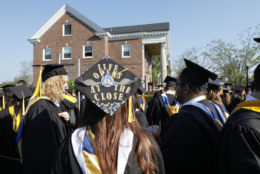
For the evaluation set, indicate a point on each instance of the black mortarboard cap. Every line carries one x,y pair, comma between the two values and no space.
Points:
215,86
197,74
257,39
170,81
227,84
108,85
51,70
225,89
21,91
7,87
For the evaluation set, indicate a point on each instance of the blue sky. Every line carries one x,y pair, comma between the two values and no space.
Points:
193,23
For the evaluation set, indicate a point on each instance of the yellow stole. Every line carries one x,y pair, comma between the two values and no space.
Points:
70,98
16,119
91,160
253,105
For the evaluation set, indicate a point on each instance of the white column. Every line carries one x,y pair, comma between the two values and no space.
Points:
163,62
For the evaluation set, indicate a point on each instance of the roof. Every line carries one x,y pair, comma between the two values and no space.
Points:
64,9
112,33
139,28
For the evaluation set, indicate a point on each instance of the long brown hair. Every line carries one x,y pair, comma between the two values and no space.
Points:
107,130
213,96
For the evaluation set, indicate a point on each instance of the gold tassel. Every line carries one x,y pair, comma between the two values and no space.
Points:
23,105
3,102
131,118
37,92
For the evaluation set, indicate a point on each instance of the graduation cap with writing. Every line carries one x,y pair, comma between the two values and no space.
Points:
170,81
215,86
108,85
196,74
21,91
51,70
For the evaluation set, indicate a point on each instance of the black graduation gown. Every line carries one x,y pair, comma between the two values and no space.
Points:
10,163
239,144
156,110
66,162
189,142
70,107
234,102
43,133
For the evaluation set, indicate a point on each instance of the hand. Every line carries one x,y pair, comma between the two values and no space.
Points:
64,115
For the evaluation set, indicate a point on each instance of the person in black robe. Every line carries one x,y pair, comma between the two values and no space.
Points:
108,138
238,97
10,120
157,111
239,144
191,135
44,126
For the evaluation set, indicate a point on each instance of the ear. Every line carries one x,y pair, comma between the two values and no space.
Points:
186,89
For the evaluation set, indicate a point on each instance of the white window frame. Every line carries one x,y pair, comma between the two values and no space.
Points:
63,58
63,29
123,56
43,55
85,51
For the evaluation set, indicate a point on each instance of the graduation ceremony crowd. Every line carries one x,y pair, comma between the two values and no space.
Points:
192,124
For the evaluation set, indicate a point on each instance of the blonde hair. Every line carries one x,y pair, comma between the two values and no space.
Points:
54,88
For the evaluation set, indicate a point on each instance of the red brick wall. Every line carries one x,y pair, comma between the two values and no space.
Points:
134,63
83,35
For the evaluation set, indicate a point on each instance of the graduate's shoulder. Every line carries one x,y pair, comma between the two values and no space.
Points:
245,119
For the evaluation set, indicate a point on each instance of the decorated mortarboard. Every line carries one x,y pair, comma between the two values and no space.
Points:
21,91
108,85
215,86
197,74
257,39
170,81
51,70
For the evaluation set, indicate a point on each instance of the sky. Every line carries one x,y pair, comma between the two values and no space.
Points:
193,23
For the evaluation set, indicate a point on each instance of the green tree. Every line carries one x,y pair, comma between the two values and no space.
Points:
229,60
25,73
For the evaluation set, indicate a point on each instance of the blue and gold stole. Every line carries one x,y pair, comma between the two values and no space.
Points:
253,105
219,121
170,109
91,160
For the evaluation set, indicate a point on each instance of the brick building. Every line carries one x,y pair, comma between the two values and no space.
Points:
70,37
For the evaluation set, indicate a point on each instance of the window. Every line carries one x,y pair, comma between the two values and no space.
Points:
47,54
87,51
126,49
67,29
66,53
